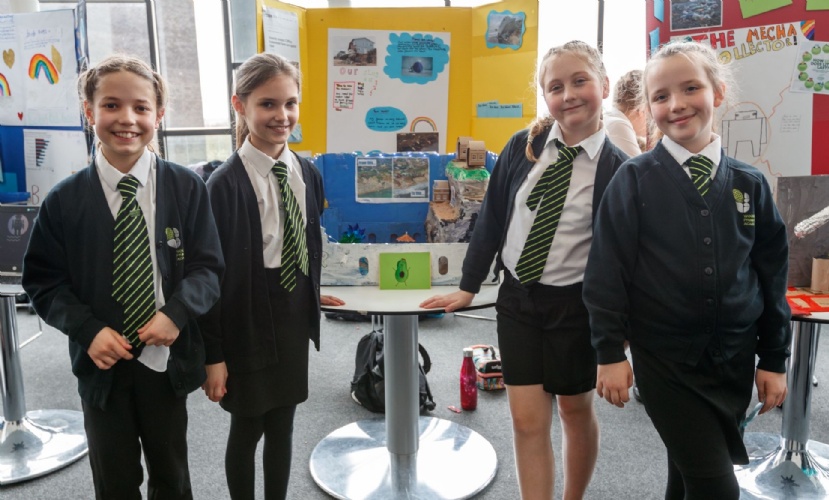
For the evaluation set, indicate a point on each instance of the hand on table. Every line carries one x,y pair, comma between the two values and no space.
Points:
449,302
330,300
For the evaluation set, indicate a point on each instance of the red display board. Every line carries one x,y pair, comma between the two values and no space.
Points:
732,18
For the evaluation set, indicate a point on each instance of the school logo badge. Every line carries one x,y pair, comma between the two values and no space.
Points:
743,202
173,241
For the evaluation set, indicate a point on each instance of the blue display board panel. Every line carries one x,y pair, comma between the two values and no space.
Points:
383,222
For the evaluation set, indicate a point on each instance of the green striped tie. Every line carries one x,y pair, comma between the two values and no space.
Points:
548,196
701,168
294,248
132,272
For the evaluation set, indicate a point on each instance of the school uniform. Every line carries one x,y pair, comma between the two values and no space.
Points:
68,273
697,285
544,324
257,328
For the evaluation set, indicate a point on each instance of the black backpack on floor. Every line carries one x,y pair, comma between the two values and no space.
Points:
368,387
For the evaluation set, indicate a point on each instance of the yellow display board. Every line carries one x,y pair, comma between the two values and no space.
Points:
482,69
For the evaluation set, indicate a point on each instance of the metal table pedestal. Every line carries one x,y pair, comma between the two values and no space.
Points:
789,465
406,456
38,442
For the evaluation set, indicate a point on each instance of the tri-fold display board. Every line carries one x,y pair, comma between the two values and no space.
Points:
374,79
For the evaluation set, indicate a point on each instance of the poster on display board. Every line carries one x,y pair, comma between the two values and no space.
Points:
381,83
39,70
767,125
811,69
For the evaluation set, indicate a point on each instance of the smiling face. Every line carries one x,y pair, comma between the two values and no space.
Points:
271,111
573,91
681,99
124,114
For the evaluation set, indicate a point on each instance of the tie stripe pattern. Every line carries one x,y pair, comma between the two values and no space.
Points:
548,198
132,274
701,168
294,247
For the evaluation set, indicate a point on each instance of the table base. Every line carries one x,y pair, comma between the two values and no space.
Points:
774,473
39,443
452,461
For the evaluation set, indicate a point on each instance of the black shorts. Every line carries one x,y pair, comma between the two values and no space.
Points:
544,337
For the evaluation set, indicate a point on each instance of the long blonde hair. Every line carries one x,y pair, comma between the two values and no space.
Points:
578,48
254,72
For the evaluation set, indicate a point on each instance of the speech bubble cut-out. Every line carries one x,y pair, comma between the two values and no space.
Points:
405,51
385,119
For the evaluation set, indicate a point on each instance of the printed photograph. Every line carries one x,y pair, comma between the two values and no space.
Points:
360,51
695,14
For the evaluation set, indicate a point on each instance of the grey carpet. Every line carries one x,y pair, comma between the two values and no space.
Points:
631,461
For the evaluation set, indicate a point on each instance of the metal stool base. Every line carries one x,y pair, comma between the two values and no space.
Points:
774,473
39,443
452,461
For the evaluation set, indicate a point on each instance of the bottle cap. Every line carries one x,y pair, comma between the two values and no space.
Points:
467,352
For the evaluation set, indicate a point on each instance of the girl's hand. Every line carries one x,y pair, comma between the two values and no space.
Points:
160,330
771,389
449,302
330,300
215,386
613,382
108,347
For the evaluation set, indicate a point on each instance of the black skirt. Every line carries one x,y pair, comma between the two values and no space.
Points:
284,383
697,410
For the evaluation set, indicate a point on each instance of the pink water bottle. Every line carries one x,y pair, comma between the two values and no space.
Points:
469,385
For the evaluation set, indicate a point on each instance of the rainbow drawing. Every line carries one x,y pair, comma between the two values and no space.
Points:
41,64
5,90
423,119
808,29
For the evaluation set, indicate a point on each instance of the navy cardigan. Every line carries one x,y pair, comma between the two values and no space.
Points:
67,270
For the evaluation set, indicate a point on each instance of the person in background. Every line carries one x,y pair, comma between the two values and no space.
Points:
689,264
123,258
267,202
536,220
626,122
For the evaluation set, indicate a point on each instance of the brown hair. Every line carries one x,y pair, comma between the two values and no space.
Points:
254,72
626,92
88,80
589,54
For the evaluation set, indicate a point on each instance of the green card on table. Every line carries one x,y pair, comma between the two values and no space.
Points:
405,271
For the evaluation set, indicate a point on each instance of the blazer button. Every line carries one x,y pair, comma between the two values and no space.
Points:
709,271
706,240
704,212
312,220
316,255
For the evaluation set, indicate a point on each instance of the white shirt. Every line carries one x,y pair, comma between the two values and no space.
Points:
266,187
153,357
713,151
620,131
568,252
